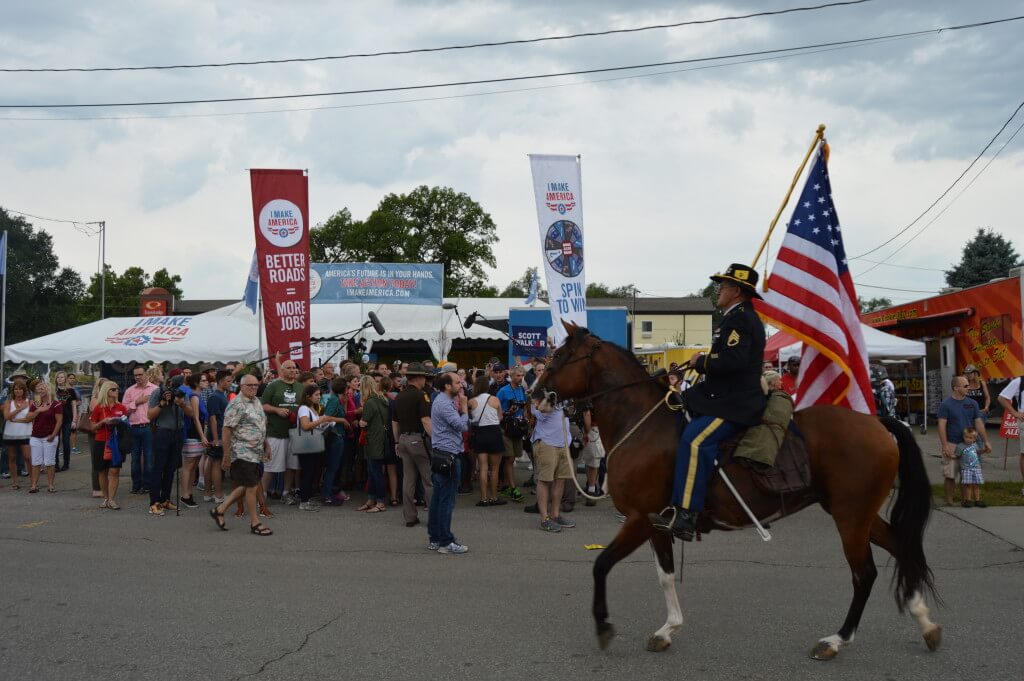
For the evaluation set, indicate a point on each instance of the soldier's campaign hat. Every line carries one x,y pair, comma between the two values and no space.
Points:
740,275
417,369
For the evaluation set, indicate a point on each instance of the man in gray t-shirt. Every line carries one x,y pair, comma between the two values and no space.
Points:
167,413
957,412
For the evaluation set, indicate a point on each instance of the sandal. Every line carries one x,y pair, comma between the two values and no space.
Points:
15,486
379,508
365,508
219,519
33,490
51,490
394,502
261,530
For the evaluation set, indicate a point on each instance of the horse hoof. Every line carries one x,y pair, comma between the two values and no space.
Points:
605,634
933,638
656,644
823,651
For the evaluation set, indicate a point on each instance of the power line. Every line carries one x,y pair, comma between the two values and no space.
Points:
889,288
905,267
951,202
465,95
948,189
83,226
423,50
508,79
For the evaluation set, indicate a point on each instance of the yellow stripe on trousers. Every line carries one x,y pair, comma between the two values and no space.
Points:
691,474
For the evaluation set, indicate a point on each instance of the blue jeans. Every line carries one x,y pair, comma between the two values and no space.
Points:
332,464
142,455
166,459
378,486
442,504
65,441
695,459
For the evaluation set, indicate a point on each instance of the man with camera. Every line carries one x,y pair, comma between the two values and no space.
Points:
168,409
449,419
515,427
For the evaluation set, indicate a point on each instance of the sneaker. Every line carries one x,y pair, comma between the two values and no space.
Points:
6,476
980,504
218,500
23,474
454,547
550,525
307,506
104,504
156,509
201,486
207,499
433,546
332,501
511,493
189,502
565,522
340,496
288,499
420,502
170,506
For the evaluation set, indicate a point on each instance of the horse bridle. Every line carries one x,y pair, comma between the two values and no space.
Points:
552,396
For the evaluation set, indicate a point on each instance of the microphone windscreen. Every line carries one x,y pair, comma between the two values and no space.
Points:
377,326
470,320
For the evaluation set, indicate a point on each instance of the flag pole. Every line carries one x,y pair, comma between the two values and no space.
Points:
3,310
818,136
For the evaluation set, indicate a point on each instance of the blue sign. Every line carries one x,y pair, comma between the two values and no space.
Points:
529,341
376,282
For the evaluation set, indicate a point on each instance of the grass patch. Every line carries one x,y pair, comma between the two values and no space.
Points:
1003,493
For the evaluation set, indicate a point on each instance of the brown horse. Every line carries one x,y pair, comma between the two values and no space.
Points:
854,460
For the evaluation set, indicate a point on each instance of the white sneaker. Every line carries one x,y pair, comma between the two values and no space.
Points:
454,547
307,506
288,499
218,500
207,499
433,546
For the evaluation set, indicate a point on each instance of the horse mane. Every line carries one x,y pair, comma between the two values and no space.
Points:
581,332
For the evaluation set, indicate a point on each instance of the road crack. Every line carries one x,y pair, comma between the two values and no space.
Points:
287,653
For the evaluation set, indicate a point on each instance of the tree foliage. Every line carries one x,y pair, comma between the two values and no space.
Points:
986,256
429,224
122,292
520,288
42,296
599,290
871,304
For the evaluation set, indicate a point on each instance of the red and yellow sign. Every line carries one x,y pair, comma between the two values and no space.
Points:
985,321
153,308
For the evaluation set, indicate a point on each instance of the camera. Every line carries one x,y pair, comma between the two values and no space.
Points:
179,393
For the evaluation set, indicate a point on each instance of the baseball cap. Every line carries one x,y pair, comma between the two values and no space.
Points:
498,366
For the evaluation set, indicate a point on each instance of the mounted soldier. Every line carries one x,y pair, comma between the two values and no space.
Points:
729,399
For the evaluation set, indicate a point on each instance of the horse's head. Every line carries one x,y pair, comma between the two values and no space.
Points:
570,369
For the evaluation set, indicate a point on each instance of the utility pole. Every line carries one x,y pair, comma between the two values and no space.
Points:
103,269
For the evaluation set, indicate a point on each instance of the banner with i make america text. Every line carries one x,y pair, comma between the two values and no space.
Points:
557,186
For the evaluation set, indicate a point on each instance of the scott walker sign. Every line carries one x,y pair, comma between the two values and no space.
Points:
529,341
152,331
376,282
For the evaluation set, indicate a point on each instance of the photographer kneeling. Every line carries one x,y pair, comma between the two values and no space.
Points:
168,410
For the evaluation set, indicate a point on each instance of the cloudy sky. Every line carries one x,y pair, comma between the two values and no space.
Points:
681,171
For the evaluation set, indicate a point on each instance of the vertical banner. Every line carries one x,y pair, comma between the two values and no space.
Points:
557,186
280,210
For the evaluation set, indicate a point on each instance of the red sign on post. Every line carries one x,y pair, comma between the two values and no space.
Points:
1008,428
153,308
280,210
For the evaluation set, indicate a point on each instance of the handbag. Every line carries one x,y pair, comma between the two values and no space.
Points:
516,428
305,441
442,463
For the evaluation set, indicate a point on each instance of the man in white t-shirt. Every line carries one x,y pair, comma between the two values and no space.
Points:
1010,394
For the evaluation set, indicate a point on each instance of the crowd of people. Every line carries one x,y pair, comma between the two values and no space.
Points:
403,436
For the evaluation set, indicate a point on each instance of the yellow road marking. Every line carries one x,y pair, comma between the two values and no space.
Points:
29,526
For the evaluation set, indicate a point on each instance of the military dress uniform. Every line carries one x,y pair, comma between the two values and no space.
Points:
729,399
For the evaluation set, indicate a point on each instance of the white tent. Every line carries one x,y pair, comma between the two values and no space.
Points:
234,333
879,344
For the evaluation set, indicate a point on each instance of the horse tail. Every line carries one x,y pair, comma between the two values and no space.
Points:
909,516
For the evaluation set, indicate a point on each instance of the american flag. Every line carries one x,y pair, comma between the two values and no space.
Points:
810,294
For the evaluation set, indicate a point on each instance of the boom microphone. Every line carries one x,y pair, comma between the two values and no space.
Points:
470,320
377,326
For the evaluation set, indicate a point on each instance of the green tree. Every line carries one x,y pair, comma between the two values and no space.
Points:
871,304
120,296
326,238
42,296
599,290
711,294
986,256
520,288
429,224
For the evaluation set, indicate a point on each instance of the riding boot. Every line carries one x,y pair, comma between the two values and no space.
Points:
679,521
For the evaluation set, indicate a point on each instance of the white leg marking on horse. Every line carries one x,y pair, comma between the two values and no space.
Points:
835,641
675,613
919,609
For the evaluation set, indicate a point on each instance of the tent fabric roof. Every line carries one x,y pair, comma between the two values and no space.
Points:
231,332
879,344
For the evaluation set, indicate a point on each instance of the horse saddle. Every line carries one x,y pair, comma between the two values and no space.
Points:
790,470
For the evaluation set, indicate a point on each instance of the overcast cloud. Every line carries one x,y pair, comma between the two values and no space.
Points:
681,172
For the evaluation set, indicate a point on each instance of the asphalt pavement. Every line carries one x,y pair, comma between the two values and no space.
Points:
99,594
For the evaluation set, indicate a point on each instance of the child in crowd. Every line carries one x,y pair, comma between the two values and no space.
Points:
971,478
